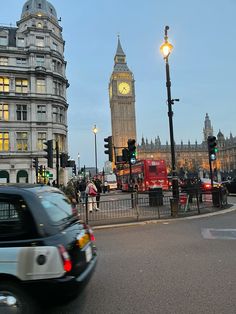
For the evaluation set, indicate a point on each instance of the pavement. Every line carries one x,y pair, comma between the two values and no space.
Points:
167,220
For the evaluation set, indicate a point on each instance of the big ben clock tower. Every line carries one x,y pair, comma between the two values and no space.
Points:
122,102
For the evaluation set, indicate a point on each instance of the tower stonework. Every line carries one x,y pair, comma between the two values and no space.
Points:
122,102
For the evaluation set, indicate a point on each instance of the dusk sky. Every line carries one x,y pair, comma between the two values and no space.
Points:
202,66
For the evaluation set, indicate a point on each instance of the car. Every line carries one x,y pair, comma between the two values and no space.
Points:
200,185
230,185
205,184
45,250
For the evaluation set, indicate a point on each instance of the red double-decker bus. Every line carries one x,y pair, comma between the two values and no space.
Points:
146,174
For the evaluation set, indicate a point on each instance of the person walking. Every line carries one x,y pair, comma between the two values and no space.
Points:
98,184
91,192
82,188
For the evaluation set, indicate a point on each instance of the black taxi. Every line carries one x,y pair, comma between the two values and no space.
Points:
44,247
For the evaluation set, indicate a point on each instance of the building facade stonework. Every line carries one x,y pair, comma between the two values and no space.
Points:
33,105
193,158
122,102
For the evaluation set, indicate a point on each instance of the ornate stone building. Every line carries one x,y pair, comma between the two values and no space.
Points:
33,106
122,102
193,157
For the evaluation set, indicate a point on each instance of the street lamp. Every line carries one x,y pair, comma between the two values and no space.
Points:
166,49
95,130
78,162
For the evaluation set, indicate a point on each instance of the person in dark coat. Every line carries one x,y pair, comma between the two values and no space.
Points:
98,185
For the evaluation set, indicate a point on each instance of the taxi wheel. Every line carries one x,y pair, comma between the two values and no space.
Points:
14,299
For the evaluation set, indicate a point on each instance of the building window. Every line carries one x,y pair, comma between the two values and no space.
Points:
4,141
58,114
54,46
61,141
40,60
57,88
22,141
40,41
4,112
3,40
41,140
20,61
21,86
21,112
39,25
41,113
40,86
4,84
54,65
3,61
20,42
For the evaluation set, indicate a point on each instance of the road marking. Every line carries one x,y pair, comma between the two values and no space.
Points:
220,234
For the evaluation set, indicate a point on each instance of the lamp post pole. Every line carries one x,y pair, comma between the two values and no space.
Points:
95,130
166,50
78,163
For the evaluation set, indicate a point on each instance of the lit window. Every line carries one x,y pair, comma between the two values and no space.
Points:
40,86
3,40
4,112
22,141
61,141
3,61
39,25
21,86
4,84
4,141
41,113
41,140
21,112
40,41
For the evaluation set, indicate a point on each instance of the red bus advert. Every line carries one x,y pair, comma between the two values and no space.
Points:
146,174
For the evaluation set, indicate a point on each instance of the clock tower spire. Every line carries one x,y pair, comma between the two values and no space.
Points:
122,102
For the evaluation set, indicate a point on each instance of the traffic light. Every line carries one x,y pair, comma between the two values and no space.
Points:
49,151
108,151
64,160
74,170
125,155
132,151
212,147
36,164
41,170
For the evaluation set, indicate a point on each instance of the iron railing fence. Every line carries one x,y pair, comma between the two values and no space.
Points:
152,205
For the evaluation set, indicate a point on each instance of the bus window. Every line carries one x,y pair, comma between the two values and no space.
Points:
152,169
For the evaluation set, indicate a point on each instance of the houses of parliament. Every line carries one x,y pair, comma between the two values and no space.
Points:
193,157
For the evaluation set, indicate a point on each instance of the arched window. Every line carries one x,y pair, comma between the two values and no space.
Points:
4,176
22,177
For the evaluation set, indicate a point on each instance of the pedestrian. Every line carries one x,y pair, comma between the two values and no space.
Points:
82,188
70,191
105,187
98,185
91,192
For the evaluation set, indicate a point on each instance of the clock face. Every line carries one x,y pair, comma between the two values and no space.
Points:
124,88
